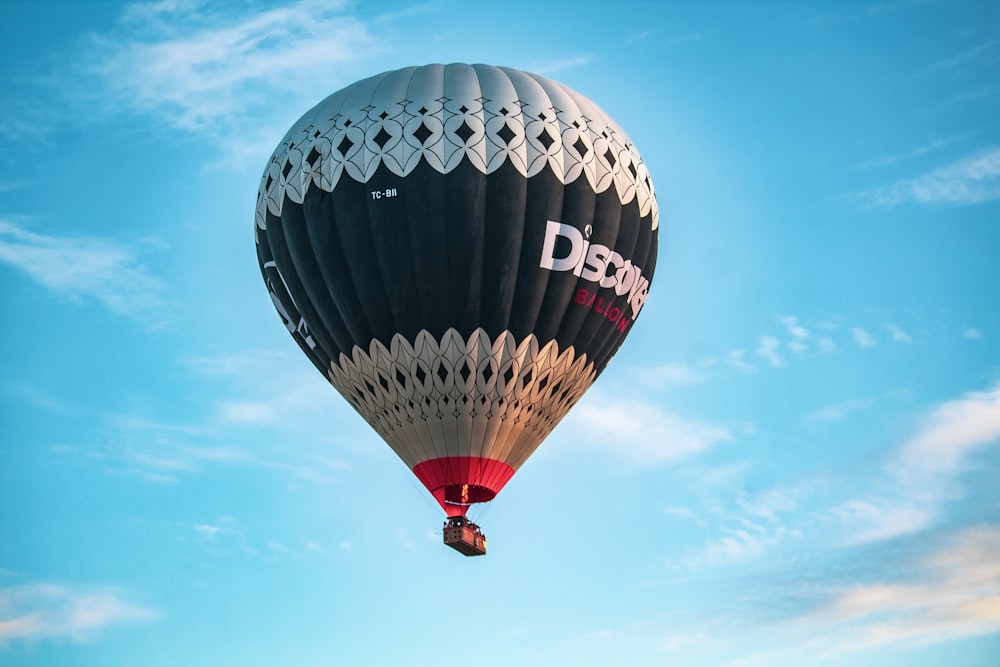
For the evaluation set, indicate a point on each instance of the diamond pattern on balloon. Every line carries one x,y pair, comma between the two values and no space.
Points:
566,155
382,138
405,406
423,133
464,132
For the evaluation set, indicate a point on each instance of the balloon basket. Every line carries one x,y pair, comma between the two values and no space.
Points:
464,536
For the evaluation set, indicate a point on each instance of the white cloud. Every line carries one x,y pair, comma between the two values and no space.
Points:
161,452
736,546
906,497
921,477
39,399
244,365
973,179
919,151
863,338
734,359
551,68
639,432
898,335
208,531
949,435
195,64
955,593
798,347
675,40
838,411
674,374
981,54
41,611
295,391
951,593
246,412
768,350
265,391
83,267
640,36
749,541
881,519
972,334
770,503
795,330
277,547
798,333
685,514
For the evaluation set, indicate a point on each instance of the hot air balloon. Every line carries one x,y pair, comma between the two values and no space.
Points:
460,250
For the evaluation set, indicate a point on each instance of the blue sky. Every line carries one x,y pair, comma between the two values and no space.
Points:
793,460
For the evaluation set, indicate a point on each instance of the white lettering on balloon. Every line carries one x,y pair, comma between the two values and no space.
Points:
594,263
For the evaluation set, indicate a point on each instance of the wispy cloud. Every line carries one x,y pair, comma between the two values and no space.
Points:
196,64
227,538
776,349
748,541
676,374
880,519
973,179
983,53
46,611
206,68
735,360
296,400
795,329
798,334
39,399
767,349
954,592
919,151
247,412
898,335
901,576
906,497
82,267
838,411
683,38
552,67
640,36
949,435
948,593
302,395
863,338
639,432
747,525
851,12
163,452
208,531
921,476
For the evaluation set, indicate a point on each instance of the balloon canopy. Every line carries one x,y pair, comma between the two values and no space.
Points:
460,250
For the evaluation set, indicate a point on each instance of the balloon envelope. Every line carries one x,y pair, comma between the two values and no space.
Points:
460,250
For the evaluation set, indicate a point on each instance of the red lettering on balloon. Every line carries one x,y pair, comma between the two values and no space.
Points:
599,305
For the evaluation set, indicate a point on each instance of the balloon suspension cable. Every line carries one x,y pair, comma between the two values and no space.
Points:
419,488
